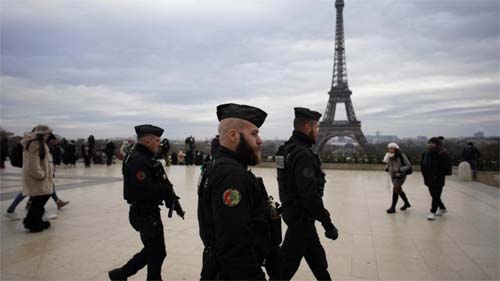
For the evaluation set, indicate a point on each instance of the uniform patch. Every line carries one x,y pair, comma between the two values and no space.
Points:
140,175
231,197
308,173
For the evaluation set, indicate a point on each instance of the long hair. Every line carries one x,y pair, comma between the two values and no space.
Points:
41,151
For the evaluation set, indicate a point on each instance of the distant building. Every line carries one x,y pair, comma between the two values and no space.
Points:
379,138
479,135
423,139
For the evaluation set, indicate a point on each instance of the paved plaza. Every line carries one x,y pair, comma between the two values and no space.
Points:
92,234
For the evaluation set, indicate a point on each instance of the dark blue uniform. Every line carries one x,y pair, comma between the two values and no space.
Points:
301,185
144,192
145,187
234,214
234,220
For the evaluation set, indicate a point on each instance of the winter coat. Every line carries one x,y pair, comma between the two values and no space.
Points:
433,167
38,174
398,165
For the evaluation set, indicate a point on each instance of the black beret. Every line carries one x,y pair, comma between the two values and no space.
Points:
306,113
434,140
143,130
249,113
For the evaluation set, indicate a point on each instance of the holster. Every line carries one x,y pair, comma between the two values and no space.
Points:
209,270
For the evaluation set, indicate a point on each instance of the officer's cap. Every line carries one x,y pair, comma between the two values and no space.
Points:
306,113
435,141
147,129
249,113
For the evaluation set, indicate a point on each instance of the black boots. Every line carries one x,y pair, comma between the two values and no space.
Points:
392,209
405,199
395,197
117,275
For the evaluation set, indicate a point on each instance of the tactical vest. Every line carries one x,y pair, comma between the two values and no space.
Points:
285,158
260,211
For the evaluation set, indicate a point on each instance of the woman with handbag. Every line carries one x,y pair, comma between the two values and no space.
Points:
398,167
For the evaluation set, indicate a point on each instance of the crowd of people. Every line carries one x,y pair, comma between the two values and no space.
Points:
240,224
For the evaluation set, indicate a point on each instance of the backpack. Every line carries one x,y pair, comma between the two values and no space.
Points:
16,155
409,171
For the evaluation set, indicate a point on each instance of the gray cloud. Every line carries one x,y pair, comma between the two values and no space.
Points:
101,67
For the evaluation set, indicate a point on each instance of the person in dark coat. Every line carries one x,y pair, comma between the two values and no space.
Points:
55,149
471,154
69,153
233,213
215,146
301,187
174,159
433,167
4,152
145,187
110,151
86,154
91,142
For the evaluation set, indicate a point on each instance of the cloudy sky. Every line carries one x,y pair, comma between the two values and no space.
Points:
415,67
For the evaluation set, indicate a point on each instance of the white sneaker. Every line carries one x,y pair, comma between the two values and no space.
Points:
48,216
443,211
431,217
439,212
12,216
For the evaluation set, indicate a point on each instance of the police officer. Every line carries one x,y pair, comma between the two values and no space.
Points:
301,185
233,209
145,186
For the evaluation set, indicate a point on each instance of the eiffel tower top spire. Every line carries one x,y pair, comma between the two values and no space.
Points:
339,79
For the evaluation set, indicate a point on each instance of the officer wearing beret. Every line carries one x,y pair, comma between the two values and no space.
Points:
301,185
144,189
233,210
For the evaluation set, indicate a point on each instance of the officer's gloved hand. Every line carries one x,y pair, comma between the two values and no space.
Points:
331,231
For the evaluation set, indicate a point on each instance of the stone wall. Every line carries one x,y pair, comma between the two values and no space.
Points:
489,178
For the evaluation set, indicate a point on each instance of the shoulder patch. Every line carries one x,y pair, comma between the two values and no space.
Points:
140,175
231,197
308,172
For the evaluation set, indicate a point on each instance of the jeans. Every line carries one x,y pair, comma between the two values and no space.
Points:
20,197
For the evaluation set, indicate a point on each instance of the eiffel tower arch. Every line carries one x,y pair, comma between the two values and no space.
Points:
339,94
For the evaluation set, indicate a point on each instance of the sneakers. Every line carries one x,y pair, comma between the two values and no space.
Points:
48,216
12,216
431,217
61,204
441,212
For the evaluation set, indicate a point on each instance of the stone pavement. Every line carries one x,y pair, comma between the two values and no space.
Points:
92,234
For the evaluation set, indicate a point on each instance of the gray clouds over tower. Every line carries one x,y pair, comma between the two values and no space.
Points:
102,66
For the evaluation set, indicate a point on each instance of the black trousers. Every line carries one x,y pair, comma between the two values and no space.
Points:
87,161
436,192
301,240
33,219
109,159
154,252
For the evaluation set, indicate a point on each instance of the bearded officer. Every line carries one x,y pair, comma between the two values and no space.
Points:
233,209
145,186
301,186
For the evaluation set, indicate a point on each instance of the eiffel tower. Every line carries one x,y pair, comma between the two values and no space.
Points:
339,93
